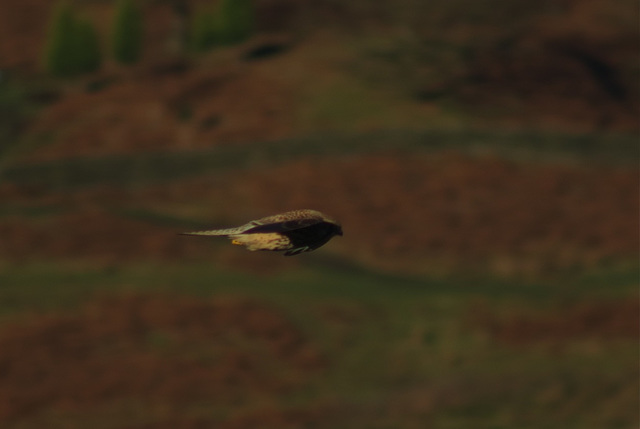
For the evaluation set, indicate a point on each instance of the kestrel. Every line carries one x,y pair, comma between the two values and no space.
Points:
293,232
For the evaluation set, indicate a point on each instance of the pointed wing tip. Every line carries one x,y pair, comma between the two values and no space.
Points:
213,233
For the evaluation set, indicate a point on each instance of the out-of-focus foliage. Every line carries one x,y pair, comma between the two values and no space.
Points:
235,20
127,32
203,29
13,112
229,23
59,54
87,47
73,46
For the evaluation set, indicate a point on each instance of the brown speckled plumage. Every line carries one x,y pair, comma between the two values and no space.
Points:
293,232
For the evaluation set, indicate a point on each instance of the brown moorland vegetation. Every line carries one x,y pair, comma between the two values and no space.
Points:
400,210
405,337
170,350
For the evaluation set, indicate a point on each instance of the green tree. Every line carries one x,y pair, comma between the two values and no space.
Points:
127,32
235,21
203,30
73,46
60,57
87,47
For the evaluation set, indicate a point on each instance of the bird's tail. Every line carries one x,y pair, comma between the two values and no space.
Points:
215,232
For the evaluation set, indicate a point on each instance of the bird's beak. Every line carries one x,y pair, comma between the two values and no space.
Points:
340,232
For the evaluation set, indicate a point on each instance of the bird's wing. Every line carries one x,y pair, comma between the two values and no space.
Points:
218,232
288,225
282,222
291,215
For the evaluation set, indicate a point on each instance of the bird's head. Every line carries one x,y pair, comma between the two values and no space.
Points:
337,230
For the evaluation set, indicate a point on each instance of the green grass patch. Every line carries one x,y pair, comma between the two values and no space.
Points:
156,167
400,351
52,285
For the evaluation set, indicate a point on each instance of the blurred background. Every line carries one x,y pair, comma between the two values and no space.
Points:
482,157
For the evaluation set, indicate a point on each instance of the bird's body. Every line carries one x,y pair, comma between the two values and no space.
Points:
293,232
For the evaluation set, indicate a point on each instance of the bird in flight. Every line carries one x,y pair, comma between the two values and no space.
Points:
293,232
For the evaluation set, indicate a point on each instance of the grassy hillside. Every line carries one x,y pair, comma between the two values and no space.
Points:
482,159
315,347
111,320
